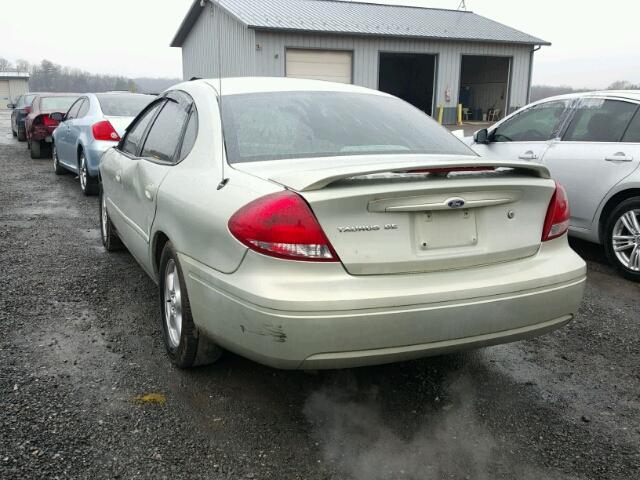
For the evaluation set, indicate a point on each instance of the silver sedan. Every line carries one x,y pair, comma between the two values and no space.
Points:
306,224
590,142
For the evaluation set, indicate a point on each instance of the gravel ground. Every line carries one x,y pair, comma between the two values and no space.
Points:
80,345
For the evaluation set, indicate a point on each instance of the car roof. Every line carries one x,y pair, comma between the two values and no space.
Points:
622,94
240,85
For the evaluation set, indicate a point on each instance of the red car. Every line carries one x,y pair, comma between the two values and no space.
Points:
39,125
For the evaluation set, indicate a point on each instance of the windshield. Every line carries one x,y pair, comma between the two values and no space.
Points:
125,105
59,104
26,101
281,125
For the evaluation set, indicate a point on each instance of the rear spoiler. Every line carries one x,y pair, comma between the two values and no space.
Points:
317,179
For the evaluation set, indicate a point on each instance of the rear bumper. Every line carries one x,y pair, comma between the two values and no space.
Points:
335,320
40,133
94,154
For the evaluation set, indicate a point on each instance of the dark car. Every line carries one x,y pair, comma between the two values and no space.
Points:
21,109
39,125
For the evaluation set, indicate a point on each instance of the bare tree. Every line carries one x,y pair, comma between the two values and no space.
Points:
5,65
623,85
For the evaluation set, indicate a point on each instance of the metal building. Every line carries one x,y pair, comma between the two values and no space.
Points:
430,57
12,85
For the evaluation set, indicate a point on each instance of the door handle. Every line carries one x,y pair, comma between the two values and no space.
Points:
528,155
619,157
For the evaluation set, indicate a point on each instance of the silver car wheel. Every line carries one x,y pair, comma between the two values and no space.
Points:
626,240
83,172
104,218
54,155
172,304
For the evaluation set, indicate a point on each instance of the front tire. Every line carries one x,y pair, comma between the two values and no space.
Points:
622,239
57,168
185,345
110,239
88,184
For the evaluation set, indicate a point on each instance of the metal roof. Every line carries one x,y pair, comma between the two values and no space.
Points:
357,18
14,75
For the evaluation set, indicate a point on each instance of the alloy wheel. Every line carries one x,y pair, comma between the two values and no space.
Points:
104,218
172,304
83,172
626,240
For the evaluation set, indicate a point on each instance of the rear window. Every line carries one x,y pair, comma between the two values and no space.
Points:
283,125
59,104
123,105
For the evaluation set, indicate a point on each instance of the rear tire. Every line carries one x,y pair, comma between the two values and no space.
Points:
110,239
13,132
186,345
88,184
36,150
22,135
622,239
57,168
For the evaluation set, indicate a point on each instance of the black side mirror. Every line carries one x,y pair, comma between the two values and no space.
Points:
57,116
482,136
11,106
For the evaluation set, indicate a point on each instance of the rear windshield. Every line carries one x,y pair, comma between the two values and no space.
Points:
282,125
59,104
123,105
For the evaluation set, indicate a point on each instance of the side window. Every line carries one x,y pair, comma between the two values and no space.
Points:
190,135
164,136
599,120
84,108
536,124
632,135
73,111
133,139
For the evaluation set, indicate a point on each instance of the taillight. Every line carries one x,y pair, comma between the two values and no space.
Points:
282,225
104,131
47,121
557,221
27,110
451,170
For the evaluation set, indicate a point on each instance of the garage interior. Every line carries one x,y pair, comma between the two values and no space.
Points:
410,76
484,87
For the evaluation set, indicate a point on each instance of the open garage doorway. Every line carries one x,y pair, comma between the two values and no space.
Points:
484,87
410,76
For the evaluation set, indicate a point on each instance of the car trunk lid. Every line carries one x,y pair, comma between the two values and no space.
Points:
424,213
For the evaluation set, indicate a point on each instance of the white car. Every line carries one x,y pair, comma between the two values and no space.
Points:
590,142
307,224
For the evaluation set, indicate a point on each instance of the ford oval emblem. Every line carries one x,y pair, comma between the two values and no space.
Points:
456,203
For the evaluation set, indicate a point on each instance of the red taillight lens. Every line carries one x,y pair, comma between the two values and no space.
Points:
105,131
557,221
282,225
48,121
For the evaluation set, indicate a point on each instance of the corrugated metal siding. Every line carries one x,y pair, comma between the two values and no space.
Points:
18,87
270,59
200,49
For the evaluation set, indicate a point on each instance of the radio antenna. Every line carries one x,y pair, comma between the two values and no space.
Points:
224,180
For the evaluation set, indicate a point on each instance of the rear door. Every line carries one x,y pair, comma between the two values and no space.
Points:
527,135
117,165
593,155
141,179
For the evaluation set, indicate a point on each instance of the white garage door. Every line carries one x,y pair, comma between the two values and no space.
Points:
330,65
4,94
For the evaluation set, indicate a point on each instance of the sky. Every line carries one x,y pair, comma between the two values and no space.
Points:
592,46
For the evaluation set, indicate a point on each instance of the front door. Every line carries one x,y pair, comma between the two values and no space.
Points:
594,154
527,135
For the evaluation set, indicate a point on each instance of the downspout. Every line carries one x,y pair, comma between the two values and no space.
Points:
533,50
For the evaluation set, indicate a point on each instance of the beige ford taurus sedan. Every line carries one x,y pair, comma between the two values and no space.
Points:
306,224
